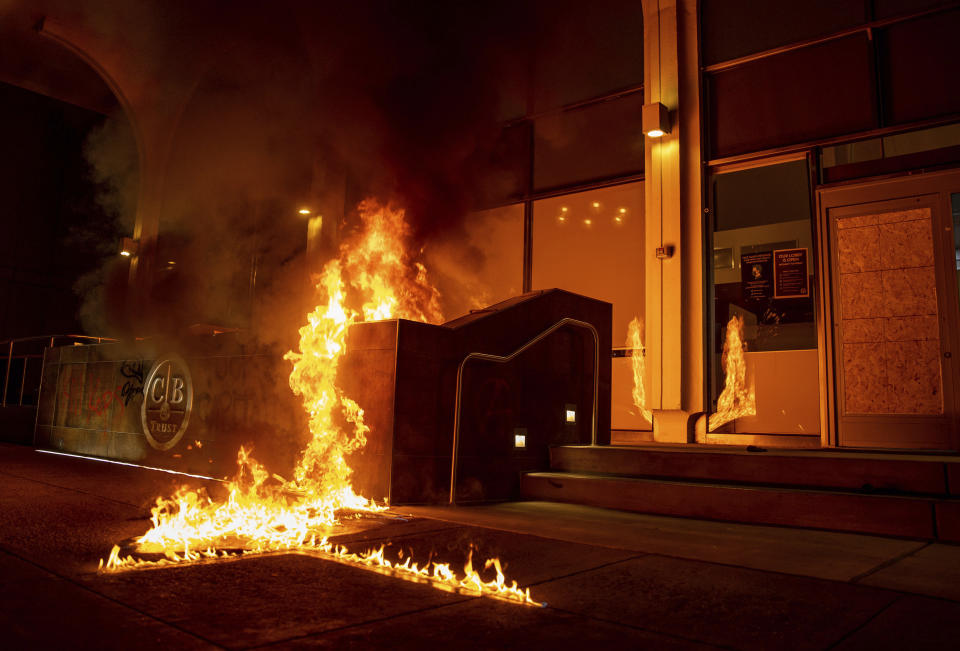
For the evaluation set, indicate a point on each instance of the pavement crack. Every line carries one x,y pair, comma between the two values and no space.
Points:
889,562
87,588
387,538
672,636
367,622
584,571
70,489
857,629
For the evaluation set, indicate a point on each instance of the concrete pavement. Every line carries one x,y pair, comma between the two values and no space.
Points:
612,578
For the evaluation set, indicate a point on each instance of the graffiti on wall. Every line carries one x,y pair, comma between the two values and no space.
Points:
89,394
133,371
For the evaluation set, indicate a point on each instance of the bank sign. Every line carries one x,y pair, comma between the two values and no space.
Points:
167,401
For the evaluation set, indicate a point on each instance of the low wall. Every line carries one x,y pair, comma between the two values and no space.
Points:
91,403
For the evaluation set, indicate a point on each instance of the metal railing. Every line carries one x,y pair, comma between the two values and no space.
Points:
501,359
36,343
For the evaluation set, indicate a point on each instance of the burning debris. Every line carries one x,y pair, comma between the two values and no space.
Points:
373,278
736,399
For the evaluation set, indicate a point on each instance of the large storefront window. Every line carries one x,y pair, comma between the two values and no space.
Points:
763,273
591,243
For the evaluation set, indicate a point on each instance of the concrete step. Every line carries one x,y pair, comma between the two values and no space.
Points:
890,515
932,475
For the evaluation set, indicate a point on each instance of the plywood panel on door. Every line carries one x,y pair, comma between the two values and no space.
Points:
889,352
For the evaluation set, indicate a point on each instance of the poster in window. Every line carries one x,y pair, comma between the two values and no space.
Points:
756,275
790,273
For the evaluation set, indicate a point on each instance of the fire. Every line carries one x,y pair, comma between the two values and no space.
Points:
736,399
639,370
438,575
372,278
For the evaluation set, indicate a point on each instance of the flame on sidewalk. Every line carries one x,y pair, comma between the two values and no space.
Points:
373,278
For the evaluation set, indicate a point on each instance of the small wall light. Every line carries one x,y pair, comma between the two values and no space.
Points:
129,247
304,211
571,413
520,437
655,120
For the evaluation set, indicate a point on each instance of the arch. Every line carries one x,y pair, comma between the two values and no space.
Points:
60,34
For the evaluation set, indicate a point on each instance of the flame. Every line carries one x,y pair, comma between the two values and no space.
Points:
438,575
639,370
736,399
372,278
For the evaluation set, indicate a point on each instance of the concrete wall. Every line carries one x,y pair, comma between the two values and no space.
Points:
91,399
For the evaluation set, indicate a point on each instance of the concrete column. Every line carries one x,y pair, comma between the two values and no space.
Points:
674,285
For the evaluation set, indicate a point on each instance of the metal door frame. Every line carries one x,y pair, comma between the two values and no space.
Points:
937,186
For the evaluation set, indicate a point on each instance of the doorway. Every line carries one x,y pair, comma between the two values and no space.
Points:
893,306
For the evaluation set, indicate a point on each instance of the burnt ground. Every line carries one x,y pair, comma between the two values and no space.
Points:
608,578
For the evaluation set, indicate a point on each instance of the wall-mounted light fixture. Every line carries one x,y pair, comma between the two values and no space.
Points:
129,247
519,437
655,120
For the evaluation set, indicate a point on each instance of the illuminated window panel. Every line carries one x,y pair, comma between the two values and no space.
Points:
592,243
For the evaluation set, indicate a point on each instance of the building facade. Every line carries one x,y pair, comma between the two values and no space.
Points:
807,182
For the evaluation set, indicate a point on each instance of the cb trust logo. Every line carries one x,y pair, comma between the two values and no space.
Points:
167,401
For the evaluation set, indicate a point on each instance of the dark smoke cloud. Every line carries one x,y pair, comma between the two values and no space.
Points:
288,103
413,97
110,151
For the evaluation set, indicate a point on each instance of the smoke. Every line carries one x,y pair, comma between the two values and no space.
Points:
262,109
110,151
413,100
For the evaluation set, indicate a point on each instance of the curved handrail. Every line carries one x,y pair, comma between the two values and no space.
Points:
503,359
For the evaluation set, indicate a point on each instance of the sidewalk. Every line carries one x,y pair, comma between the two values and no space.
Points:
618,579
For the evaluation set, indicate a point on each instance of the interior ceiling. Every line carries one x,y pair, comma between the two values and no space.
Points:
41,65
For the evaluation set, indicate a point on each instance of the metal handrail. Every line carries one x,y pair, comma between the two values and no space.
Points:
500,359
23,379
54,337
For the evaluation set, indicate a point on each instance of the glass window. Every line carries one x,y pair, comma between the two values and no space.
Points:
851,152
780,100
889,8
594,142
480,264
919,68
764,273
901,151
735,28
914,142
591,243
585,50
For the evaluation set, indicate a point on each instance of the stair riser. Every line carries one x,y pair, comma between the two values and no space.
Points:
948,521
842,512
924,477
